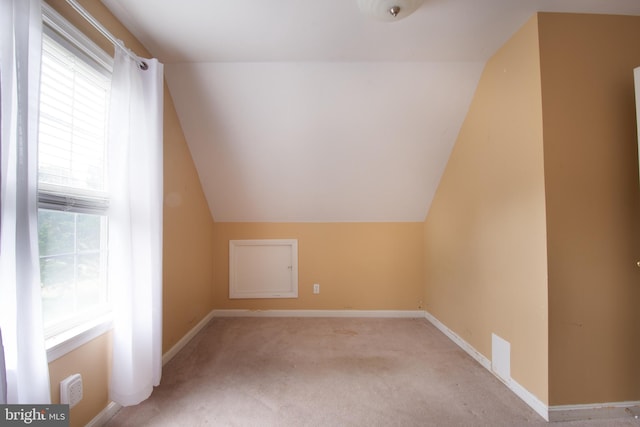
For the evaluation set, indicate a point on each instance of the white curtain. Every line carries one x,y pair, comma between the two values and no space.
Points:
27,373
135,227
3,374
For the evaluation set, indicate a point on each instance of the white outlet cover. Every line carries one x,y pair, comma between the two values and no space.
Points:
71,390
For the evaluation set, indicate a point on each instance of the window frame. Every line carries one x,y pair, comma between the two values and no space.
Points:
62,342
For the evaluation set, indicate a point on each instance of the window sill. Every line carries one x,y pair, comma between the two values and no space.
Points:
65,342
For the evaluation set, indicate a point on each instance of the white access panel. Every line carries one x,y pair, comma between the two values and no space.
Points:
263,268
501,357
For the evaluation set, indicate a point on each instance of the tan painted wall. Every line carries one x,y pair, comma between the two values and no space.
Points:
93,362
360,266
485,250
593,206
188,239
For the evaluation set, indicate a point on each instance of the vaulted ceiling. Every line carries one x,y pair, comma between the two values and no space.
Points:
301,111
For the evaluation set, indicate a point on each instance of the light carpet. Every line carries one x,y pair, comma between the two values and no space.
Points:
330,372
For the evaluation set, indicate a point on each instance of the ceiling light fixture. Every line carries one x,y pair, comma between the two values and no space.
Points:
389,10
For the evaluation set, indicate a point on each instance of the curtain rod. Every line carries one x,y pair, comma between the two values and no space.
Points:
98,26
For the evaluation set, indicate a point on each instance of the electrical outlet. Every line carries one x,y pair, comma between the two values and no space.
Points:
316,288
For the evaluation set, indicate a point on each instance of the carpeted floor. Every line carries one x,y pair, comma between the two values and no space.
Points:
330,372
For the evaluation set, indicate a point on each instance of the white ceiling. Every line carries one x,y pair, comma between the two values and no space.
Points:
300,110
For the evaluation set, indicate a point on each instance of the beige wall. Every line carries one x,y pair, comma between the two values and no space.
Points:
515,190
593,206
188,237
485,250
93,362
360,266
187,248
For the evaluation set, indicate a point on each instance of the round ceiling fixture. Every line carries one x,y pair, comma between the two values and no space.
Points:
389,10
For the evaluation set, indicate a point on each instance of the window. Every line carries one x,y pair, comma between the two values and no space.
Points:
72,177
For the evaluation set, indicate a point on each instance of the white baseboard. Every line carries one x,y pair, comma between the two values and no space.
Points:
185,339
411,314
536,404
479,357
594,411
529,398
105,415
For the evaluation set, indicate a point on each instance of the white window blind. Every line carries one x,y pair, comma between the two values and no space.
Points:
72,147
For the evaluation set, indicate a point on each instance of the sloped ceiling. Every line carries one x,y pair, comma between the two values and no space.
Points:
300,110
